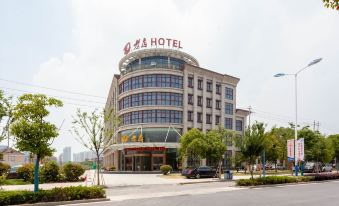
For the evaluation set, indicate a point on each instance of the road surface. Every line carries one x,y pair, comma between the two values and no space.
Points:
212,194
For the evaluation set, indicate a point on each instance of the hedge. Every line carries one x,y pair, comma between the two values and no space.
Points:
269,180
53,195
165,169
324,176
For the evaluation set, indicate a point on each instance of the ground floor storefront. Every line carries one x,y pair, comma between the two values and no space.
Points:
141,157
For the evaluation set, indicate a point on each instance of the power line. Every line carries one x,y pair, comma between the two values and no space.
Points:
68,103
50,88
62,97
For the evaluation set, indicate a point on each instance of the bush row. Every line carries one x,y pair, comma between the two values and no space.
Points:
4,168
324,176
50,172
272,180
53,195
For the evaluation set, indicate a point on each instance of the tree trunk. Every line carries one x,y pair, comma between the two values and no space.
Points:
36,174
98,170
276,169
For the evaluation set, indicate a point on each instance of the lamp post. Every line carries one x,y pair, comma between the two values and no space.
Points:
296,108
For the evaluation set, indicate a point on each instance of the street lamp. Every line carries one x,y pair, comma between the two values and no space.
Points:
296,108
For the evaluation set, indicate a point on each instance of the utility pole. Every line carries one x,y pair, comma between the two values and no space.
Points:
249,116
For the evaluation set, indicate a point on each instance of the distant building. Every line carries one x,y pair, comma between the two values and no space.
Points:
60,160
84,156
11,156
67,154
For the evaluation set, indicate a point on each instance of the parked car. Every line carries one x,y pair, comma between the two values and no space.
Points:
310,167
327,168
198,172
12,174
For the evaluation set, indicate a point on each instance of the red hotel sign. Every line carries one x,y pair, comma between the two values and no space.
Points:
152,42
146,149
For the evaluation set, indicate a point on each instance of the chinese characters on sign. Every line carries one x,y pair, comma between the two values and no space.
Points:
133,138
300,149
301,153
290,149
152,42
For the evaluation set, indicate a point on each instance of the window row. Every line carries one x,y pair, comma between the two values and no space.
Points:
151,98
151,80
200,118
209,85
155,62
152,116
208,102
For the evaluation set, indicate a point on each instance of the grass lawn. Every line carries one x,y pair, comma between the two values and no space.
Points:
15,182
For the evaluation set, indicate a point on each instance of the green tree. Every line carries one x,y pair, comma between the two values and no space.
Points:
6,113
216,140
317,148
31,130
334,139
334,4
95,131
193,145
277,143
252,144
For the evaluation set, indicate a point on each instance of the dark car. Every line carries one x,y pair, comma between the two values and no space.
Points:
199,172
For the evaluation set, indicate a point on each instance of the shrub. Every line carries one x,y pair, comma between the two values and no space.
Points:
112,168
26,172
72,172
4,168
53,195
50,172
272,180
165,169
324,176
3,178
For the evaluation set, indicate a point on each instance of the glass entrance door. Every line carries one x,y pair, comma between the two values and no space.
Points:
157,161
142,162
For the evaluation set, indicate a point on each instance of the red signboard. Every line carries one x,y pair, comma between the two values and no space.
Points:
146,149
152,42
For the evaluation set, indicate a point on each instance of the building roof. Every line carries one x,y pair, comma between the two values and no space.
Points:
10,150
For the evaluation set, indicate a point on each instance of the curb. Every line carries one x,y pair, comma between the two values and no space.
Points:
207,181
66,202
288,184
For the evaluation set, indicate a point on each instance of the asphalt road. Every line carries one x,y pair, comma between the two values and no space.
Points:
313,194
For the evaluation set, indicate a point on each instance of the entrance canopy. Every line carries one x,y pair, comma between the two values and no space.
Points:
144,145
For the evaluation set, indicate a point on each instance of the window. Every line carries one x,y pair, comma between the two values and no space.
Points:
199,100
152,80
151,98
190,99
238,125
217,120
190,116
190,82
209,102
218,104
228,123
152,116
228,108
208,119
229,93
209,86
199,117
200,83
218,89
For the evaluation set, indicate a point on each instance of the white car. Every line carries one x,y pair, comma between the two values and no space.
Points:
326,168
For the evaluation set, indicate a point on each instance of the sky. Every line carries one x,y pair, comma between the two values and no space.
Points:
71,49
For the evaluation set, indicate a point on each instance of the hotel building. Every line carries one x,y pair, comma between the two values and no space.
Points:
160,94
